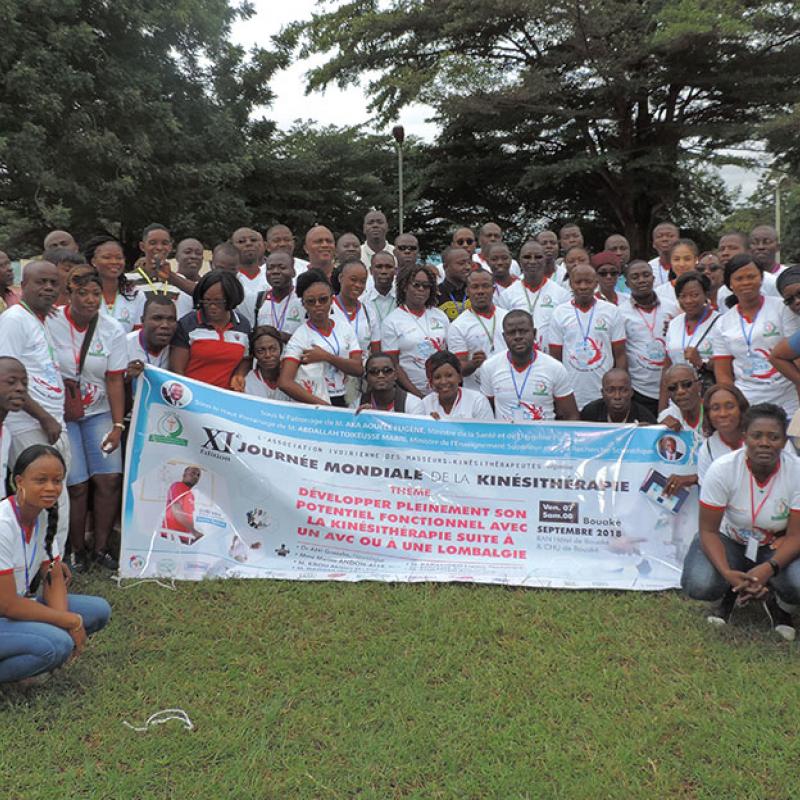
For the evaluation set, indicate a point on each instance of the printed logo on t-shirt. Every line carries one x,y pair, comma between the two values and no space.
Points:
781,512
770,329
601,325
547,302
539,388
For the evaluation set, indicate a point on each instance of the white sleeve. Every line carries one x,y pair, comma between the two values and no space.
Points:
390,338
6,548
456,341
482,409
704,461
295,346
719,343
617,327
118,350
715,491
562,385
12,336
414,404
555,331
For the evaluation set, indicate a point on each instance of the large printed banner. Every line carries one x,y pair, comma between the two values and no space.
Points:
220,484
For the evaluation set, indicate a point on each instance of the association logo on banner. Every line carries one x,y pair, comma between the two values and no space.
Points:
169,428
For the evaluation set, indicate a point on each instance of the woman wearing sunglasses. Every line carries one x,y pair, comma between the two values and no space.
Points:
416,329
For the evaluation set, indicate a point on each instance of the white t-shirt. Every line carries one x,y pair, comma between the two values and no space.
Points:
257,386
361,323
754,374
645,344
25,337
539,304
108,353
286,315
729,485
127,310
472,332
586,338
698,437
5,446
712,448
15,555
525,395
499,294
660,274
379,307
342,342
367,252
415,338
666,293
679,339
469,405
255,284
138,352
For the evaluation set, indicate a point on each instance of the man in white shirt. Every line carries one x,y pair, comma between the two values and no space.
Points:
280,237
588,335
549,242
13,391
764,245
375,229
523,384
665,234
379,297
406,250
320,248
491,233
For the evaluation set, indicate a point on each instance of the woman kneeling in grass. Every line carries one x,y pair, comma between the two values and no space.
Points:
38,634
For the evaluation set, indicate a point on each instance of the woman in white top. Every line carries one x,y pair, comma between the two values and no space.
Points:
121,300
416,329
682,259
724,408
38,636
449,400
688,335
262,381
744,337
82,334
320,341
749,535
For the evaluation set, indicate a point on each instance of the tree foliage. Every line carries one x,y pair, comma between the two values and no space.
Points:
116,114
608,109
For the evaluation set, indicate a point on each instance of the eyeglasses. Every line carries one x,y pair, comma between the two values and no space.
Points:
213,303
380,370
420,285
791,299
465,241
673,387
608,273
316,301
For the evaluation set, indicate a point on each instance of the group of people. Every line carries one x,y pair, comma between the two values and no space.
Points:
704,342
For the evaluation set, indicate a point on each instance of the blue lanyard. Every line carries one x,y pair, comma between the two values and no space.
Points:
459,308
748,337
518,390
584,333
326,338
702,319
275,322
35,537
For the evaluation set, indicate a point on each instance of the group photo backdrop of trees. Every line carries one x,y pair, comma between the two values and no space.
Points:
613,114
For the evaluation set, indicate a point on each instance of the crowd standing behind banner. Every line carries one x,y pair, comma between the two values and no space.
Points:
558,334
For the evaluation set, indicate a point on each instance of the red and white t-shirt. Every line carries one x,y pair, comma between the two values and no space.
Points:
645,344
20,557
415,338
341,341
747,343
472,332
257,385
526,394
540,304
107,354
360,322
730,485
27,338
286,315
179,496
126,310
468,405
679,338
586,338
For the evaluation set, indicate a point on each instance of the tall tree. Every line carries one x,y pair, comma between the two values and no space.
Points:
113,115
603,106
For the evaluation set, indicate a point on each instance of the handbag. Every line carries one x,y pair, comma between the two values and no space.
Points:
73,399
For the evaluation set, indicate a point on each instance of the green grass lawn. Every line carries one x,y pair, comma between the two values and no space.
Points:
428,691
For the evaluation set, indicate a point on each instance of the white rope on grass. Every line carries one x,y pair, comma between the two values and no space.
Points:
160,717
118,580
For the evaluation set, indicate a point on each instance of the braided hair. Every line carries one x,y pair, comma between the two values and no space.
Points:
27,457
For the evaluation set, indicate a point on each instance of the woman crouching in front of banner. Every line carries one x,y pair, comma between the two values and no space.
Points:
749,536
38,634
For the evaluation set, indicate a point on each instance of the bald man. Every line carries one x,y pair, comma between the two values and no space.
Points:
764,245
61,239
616,403
280,237
320,248
489,234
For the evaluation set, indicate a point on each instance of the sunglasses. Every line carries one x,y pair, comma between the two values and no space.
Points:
673,387
465,241
316,301
420,285
406,248
607,273
380,370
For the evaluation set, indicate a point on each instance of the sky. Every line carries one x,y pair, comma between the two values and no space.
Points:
349,107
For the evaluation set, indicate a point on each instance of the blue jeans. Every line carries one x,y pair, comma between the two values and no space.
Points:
701,581
30,648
